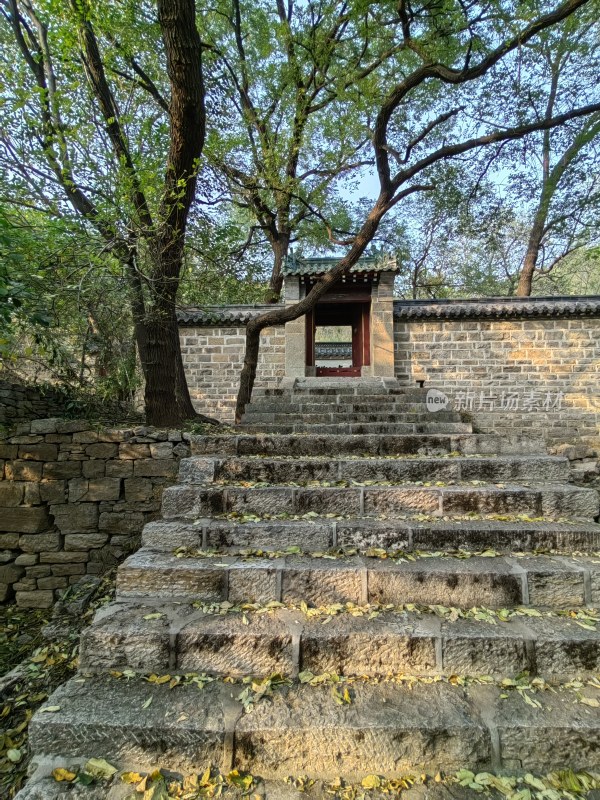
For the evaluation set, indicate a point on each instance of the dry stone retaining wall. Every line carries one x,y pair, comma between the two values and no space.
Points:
74,500
20,402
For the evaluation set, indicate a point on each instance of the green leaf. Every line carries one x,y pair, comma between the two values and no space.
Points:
100,768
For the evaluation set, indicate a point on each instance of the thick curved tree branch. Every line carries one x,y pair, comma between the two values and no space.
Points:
450,75
518,132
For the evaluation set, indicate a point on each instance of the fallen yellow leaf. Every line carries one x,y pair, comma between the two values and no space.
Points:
60,774
131,777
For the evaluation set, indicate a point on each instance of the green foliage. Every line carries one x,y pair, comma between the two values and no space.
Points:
63,318
20,301
292,103
577,273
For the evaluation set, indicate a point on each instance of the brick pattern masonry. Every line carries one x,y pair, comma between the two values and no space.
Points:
484,365
492,369
74,500
213,359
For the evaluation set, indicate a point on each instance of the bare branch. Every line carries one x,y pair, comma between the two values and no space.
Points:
144,82
427,130
455,76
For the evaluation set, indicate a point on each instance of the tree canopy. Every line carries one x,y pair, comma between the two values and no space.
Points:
158,154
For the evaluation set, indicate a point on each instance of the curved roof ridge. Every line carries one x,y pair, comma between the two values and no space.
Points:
296,265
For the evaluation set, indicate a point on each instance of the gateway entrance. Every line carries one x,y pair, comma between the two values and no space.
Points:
350,332
338,339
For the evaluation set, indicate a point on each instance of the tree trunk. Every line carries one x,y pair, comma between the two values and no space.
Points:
248,374
166,395
531,256
280,251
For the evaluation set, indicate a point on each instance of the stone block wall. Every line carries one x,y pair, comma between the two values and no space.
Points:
516,375
20,402
74,500
512,364
213,358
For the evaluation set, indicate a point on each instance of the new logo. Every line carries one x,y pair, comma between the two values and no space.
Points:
436,400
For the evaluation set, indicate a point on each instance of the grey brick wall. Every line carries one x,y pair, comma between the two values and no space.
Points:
503,373
509,374
213,359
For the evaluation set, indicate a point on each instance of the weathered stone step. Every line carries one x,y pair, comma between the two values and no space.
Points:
365,394
252,419
318,534
340,405
376,444
491,469
362,427
385,729
345,389
183,639
339,410
42,786
551,501
497,582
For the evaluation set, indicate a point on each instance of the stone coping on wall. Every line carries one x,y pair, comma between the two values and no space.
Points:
477,308
499,308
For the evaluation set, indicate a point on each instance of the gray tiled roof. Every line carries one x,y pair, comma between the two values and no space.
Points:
222,315
498,308
490,308
333,349
294,265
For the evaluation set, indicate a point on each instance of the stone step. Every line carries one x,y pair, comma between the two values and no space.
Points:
397,470
404,397
42,786
285,405
301,730
361,427
376,388
497,582
551,501
252,419
343,394
388,405
375,444
318,534
183,639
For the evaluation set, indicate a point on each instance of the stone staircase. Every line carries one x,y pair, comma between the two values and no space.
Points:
407,595
342,405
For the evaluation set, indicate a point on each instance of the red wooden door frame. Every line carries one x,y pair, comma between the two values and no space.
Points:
355,314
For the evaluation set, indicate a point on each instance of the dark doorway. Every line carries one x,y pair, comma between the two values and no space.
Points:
337,339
